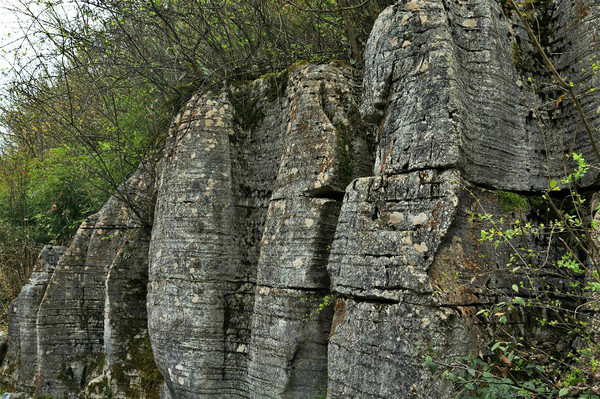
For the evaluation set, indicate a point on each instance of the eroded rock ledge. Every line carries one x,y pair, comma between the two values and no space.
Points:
274,194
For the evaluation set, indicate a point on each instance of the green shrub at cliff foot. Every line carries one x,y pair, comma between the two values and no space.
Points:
555,297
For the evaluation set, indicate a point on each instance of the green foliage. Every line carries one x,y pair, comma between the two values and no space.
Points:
277,84
68,142
344,141
60,196
319,305
579,171
554,294
141,361
510,201
244,100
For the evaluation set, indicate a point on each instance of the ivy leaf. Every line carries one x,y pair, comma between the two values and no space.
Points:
520,301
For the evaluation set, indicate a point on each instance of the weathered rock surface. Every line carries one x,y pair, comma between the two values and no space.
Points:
279,196
453,109
68,315
73,339
389,232
225,184
450,83
23,331
327,149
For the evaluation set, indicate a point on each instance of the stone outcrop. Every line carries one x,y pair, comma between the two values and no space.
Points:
313,237
245,213
77,316
23,317
450,84
83,310
454,109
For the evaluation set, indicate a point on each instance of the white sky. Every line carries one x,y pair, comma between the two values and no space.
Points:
11,33
12,28
9,25
13,25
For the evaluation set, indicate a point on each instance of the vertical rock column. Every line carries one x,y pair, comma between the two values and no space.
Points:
326,148
288,143
388,233
69,322
129,365
440,84
195,257
23,337
445,83
70,319
216,182
572,35
441,79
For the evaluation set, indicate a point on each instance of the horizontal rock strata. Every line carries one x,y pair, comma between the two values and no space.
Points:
23,331
66,311
313,238
245,212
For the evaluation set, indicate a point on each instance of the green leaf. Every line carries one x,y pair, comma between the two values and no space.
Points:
520,301
515,288
563,392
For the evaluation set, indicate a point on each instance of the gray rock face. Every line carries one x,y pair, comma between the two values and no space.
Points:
449,83
452,105
69,322
128,365
574,35
278,197
73,340
389,232
364,364
78,300
195,287
410,274
327,148
245,213
23,332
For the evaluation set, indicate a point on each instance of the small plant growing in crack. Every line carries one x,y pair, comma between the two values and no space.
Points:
318,306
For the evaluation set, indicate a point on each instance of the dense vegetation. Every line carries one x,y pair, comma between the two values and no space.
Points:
94,83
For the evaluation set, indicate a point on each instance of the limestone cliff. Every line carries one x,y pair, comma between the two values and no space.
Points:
315,184
248,212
